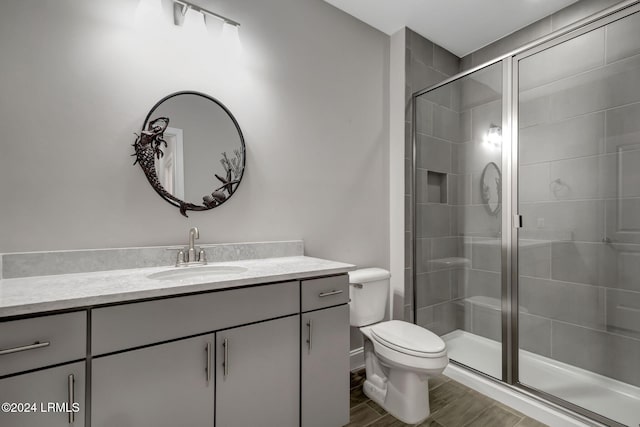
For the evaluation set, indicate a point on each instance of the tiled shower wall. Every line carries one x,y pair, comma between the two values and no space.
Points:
579,193
426,64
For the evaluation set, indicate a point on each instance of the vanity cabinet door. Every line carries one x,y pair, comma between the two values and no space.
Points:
258,374
55,397
325,367
165,385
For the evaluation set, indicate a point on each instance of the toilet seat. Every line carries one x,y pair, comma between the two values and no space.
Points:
408,339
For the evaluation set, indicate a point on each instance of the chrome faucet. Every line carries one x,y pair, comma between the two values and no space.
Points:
193,234
191,257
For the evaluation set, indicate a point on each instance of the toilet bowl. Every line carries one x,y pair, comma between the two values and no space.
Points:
399,356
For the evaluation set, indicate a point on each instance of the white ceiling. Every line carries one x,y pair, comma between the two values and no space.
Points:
460,26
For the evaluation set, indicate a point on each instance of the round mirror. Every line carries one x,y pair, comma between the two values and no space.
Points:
192,151
491,188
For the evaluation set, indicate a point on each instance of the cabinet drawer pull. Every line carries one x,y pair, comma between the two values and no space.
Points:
328,294
33,346
71,384
225,362
309,326
208,363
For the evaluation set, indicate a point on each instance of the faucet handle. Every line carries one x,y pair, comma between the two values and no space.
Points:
202,256
180,259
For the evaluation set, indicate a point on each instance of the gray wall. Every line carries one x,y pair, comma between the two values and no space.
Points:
311,95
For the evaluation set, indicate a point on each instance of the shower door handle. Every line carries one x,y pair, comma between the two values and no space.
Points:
517,221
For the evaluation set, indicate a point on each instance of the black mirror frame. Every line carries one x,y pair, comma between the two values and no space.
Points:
147,144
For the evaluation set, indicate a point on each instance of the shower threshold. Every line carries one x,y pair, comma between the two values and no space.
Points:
597,393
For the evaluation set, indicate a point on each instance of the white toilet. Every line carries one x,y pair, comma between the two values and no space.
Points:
399,356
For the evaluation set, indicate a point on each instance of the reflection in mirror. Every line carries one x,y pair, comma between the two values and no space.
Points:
491,188
192,151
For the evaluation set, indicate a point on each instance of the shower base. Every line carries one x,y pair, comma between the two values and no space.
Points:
610,398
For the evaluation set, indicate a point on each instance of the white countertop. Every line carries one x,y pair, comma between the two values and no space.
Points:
40,294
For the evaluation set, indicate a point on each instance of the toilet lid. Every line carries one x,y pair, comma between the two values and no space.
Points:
408,338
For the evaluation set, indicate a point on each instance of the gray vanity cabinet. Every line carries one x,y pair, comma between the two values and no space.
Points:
55,392
325,367
324,350
257,374
161,385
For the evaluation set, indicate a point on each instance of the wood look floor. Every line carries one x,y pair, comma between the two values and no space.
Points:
452,405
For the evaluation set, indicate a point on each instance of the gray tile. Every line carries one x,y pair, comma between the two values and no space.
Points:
533,182
486,321
433,288
408,141
571,57
433,154
423,255
407,249
434,220
408,176
480,283
442,318
445,61
422,186
628,266
579,10
535,334
530,422
564,220
445,247
569,302
466,63
421,76
527,34
578,137
408,213
459,189
623,312
623,220
424,116
622,38
475,221
446,124
421,48
486,254
442,96
534,258
481,87
610,355
607,87
533,110
623,127
590,177
408,287
579,262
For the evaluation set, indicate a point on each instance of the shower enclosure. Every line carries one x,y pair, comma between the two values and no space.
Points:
526,211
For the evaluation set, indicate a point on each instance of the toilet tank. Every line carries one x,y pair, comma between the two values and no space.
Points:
369,292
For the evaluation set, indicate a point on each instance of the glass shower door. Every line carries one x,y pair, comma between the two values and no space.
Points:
457,271
579,197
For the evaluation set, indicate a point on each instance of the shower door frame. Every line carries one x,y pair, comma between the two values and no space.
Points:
510,218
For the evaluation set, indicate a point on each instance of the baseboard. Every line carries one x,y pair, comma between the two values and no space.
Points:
356,359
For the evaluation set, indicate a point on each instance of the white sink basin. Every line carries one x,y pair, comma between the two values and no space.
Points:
182,273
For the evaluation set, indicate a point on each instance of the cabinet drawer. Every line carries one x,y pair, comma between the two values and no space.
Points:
132,325
42,341
324,292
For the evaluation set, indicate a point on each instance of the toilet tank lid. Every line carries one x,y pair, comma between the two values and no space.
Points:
365,275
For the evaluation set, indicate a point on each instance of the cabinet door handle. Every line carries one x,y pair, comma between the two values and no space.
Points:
33,346
71,385
208,362
309,327
328,294
225,362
